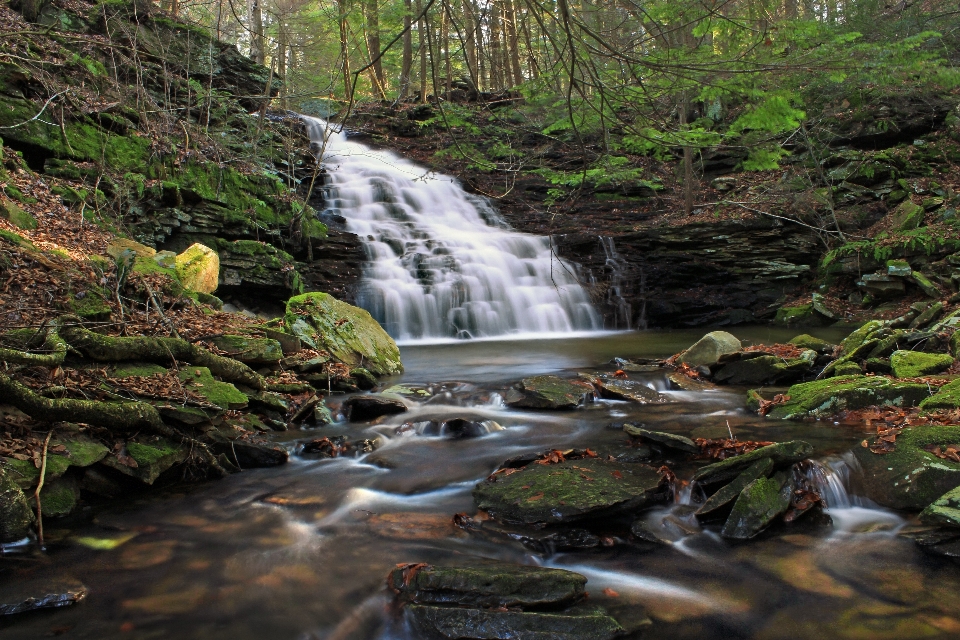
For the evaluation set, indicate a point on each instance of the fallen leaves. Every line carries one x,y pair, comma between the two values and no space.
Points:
944,452
766,406
723,448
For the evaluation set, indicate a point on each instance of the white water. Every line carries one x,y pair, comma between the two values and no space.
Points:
441,262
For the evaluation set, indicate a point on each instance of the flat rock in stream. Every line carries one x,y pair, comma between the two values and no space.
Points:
569,490
669,440
372,406
632,390
760,502
20,596
483,624
487,585
781,453
724,497
549,392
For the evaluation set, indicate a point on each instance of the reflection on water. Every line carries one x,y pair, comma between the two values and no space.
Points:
301,551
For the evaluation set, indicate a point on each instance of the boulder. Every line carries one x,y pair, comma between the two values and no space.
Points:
707,350
800,315
549,392
720,501
824,398
929,315
198,268
668,440
759,504
910,477
487,585
483,624
372,406
118,245
882,286
806,341
16,515
945,511
17,216
914,364
781,453
249,350
907,216
146,460
899,268
348,333
766,369
632,390
948,397
925,285
567,491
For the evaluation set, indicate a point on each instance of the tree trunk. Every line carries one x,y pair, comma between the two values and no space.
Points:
470,27
496,66
422,42
257,49
407,51
345,50
445,43
513,43
282,61
687,160
372,15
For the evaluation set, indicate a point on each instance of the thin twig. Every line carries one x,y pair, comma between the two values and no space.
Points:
36,494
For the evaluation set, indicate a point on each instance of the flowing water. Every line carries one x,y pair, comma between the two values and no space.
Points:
442,262
301,551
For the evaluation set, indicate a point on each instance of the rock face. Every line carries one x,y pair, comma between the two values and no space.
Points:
824,398
349,333
568,491
549,392
198,268
913,364
16,516
707,350
910,477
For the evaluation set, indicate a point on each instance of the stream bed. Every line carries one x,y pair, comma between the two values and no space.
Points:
302,551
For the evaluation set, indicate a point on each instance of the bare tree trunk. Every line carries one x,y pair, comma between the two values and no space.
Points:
496,68
470,26
257,49
422,41
344,50
372,15
531,55
445,43
282,61
407,58
687,160
513,43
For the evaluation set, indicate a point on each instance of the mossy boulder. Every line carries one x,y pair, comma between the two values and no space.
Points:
198,268
766,369
81,451
760,502
806,341
799,315
824,398
781,453
118,245
252,264
369,407
914,364
17,216
90,305
925,284
16,515
707,350
136,369
548,392
568,491
348,333
945,511
223,394
150,459
947,397
907,216
720,502
900,268
910,477
59,497
248,349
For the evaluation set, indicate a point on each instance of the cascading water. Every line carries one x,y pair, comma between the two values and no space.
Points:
442,262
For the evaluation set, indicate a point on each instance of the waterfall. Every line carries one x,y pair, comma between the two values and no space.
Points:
440,261
614,263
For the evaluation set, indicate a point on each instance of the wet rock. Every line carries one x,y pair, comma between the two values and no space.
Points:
198,268
948,397
568,491
824,398
945,511
669,440
487,585
910,477
462,428
547,541
249,350
20,596
758,505
686,383
372,406
717,504
707,350
765,370
782,453
348,333
483,624
16,515
147,459
253,455
59,497
806,341
363,378
633,390
549,392
800,315
915,364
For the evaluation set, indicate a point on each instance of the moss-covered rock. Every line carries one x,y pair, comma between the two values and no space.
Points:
925,284
136,369
198,268
766,369
348,333
59,497
223,394
254,264
622,389
17,216
668,440
717,504
151,458
945,511
907,216
568,491
781,453
914,364
118,245
806,341
548,392
707,350
947,397
845,369
824,398
910,477
588,623
16,516
759,504
799,315
248,349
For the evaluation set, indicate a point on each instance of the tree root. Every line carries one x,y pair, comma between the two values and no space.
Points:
53,345
118,416
160,351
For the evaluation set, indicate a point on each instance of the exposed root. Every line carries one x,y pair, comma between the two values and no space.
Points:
54,348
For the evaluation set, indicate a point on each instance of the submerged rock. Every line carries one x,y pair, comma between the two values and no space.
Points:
372,406
909,477
758,505
549,392
19,596
348,333
484,624
914,364
669,440
633,390
568,491
487,585
824,398
782,453
707,350
725,496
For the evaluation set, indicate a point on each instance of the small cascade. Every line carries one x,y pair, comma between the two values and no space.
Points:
615,265
831,478
442,263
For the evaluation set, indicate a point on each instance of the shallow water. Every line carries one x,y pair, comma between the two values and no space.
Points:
301,551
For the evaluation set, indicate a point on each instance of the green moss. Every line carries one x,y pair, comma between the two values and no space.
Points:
136,369
222,394
17,216
59,497
26,475
91,307
914,364
948,397
824,398
758,504
792,316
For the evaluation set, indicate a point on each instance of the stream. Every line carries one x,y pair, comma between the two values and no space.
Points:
301,551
